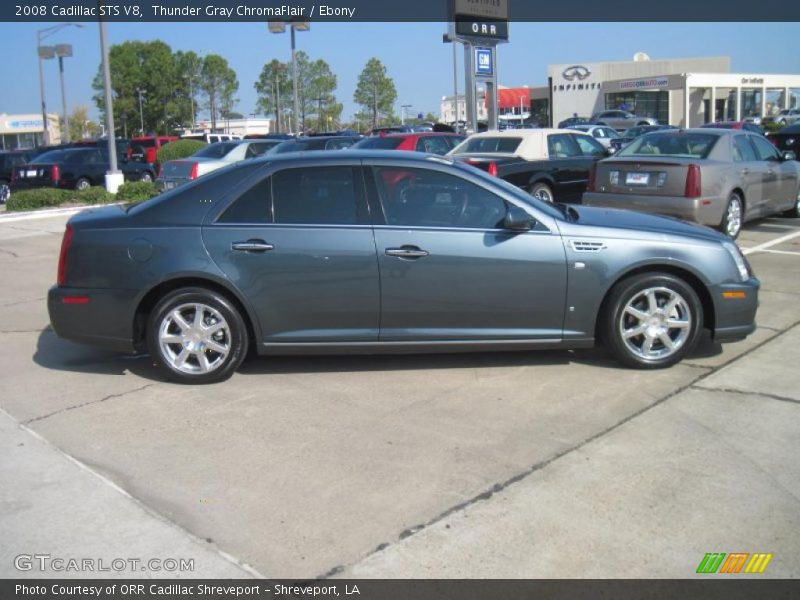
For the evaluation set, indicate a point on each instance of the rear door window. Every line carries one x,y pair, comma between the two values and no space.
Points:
743,151
254,206
315,196
561,145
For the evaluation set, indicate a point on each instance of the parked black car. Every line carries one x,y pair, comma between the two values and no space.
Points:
75,168
122,145
9,160
787,139
322,142
634,132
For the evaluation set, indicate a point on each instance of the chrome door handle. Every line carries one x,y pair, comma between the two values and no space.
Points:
406,252
744,171
252,246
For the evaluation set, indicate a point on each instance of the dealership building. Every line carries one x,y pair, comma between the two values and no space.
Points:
686,92
27,131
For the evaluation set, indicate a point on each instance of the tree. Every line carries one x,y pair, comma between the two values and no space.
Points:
320,85
80,126
218,83
148,68
375,91
188,67
274,90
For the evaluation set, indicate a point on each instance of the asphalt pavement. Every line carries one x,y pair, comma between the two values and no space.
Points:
549,464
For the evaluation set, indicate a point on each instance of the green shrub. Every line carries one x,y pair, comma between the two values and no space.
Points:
39,198
136,191
771,126
94,195
178,149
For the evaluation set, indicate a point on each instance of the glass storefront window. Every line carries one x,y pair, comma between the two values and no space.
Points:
733,100
751,102
775,101
794,97
642,104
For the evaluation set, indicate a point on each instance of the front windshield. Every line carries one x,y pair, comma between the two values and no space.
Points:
551,210
667,143
488,145
217,150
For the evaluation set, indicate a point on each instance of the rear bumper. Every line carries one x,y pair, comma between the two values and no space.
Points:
706,210
166,184
102,318
735,316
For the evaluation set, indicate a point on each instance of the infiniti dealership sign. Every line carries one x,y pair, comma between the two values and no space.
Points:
574,72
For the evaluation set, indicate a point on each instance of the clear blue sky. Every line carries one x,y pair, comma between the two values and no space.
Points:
413,53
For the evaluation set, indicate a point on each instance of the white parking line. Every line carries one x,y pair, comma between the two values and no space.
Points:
771,243
789,252
39,214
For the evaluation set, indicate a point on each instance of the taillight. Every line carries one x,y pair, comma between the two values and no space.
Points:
151,155
66,242
590,185
492,170
193,173
692,182
55,173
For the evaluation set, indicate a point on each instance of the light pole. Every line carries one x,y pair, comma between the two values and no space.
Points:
140,91
447,40
403,108
47,52
113,177
64,51
280,27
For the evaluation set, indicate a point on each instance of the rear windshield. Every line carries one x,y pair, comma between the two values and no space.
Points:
380,143
688,145
145,143
217,150
489,145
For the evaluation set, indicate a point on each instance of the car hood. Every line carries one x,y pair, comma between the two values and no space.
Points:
636,225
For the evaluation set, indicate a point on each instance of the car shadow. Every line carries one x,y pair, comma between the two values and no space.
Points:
57,354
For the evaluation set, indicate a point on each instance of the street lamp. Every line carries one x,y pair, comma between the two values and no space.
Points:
140,91
280,27
46,53
447,40
64,51
403,108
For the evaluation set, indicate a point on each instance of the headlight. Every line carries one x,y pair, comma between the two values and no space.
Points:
741,264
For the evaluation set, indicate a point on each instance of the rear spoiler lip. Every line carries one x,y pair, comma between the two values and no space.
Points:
643,163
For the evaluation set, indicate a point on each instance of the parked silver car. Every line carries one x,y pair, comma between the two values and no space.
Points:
621,119
717,177
210,158
785,117
601,133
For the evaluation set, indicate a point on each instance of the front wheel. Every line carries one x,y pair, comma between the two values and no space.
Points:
734,216
794,212
653,320
195,335
541,191
5,192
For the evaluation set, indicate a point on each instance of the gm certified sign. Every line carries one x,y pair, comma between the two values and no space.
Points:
574,72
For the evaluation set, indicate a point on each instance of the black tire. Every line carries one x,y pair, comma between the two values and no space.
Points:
146,176
5,191
542,191
167,355
729,224
82,184
682,324
643,124
794,212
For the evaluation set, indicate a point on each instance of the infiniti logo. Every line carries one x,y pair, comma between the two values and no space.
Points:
574,72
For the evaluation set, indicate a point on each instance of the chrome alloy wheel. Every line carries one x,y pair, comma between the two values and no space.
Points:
194,339
543,194
655,323
733,216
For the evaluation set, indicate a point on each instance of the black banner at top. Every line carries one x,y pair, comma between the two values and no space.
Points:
395,10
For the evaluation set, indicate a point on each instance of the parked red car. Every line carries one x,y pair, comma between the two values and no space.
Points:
420,141
146,147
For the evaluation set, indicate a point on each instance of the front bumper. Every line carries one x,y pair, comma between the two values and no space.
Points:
735,307
706,211
102,318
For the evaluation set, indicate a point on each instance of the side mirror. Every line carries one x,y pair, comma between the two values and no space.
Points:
517,219
789,155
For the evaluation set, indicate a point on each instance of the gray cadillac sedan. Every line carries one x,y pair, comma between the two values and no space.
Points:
364,252
717,177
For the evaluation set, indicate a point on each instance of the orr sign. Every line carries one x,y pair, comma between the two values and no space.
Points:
480,19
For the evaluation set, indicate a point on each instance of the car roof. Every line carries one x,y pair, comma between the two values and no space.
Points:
357,154
420,134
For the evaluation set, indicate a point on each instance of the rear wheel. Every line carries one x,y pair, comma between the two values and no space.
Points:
146,176
195,335
541,191
654,320
82,184
643,124
734,217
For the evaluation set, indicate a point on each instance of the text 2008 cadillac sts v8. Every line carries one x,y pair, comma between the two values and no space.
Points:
325,252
